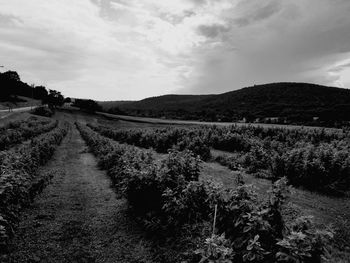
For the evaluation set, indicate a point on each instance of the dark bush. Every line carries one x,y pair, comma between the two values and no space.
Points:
43,111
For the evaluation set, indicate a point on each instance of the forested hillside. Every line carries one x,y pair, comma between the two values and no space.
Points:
276,102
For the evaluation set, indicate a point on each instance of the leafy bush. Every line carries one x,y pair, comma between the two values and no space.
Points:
19,131
43,111
253,232
324,168
160,139
303,243
19,181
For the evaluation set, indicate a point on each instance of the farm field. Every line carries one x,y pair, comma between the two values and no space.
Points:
326,210
26,102
79,217
159,121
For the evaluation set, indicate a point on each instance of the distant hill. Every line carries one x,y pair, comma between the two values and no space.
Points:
166,102
107,105
276,102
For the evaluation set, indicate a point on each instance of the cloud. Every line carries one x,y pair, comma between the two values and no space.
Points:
130,49
256,11
211,31
80,50
294,42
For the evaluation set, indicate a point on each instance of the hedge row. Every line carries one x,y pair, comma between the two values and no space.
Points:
19,131
19,181
161,140
316,159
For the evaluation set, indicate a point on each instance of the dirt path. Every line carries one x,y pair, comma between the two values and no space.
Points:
78,218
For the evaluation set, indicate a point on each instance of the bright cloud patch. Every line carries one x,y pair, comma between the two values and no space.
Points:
131,49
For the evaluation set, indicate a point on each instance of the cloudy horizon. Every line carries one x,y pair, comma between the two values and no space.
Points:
130,49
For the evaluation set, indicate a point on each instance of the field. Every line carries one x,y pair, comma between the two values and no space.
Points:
153,121
25,102
162,204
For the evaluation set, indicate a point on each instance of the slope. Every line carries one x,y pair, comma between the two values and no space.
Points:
294,101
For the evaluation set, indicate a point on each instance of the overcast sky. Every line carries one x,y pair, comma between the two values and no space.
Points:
132,49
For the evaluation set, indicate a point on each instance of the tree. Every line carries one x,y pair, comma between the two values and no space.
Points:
88,105
55,99
40,93
11,75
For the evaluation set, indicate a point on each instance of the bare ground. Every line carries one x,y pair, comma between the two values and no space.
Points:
78,218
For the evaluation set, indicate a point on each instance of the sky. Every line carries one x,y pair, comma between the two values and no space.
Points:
132,49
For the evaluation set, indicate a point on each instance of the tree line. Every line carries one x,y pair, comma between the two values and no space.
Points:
12,86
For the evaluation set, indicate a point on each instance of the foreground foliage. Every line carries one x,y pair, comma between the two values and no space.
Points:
171,201
19,181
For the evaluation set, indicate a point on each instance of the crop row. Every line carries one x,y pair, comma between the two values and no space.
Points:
315,159
19,181
19,131
231,138
168,197
161,140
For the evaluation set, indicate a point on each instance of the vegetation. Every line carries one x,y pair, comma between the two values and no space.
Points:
313,158
170,200
160,139
19,181
54,99
43,111
12,87
296,103
19,131
87,105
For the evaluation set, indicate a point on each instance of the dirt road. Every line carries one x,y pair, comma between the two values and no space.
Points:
78,218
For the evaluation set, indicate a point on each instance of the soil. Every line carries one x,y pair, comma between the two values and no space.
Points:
78,218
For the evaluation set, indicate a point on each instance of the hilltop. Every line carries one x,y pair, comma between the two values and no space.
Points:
277,102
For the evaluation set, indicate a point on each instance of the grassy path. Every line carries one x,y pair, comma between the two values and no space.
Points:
78,218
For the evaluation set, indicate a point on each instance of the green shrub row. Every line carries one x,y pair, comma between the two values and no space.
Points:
226,138
171,201
19,131
161,140
316,159
19,181
324,168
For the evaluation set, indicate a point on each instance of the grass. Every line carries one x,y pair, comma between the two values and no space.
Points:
5,118
27,103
